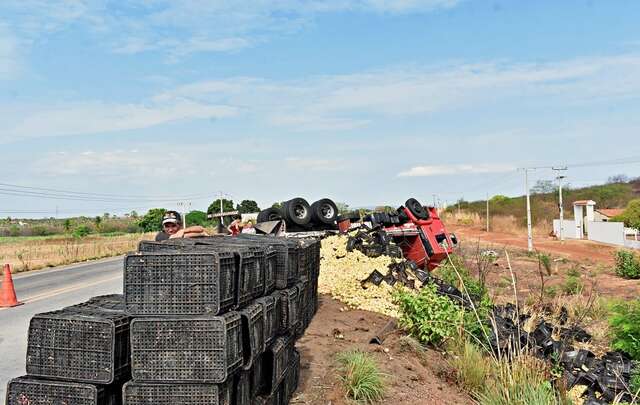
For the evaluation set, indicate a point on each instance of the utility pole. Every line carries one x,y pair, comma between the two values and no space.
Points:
529,230
487,212
434,201
185,207
559,178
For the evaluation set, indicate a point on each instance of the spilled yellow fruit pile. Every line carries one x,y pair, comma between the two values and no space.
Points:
342,271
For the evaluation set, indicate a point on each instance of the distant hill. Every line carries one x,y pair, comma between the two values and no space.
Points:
544,206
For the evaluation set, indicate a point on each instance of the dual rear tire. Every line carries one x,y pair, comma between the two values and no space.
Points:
298,213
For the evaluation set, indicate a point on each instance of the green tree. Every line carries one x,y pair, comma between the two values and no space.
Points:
499,198
67,225
543,187
385,208
152,220
248,207
81,231
98,222
214,207
196,218
631,215
343,208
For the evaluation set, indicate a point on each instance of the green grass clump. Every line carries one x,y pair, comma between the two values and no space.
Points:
627,264
521,381
572,285
545,262
634,385
625,328
361,376
471,366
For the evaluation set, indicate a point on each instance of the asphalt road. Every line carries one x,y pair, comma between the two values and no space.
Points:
48,290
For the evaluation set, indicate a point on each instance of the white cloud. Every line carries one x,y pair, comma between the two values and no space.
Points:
182,27
343,102
97,117
8,54
443,170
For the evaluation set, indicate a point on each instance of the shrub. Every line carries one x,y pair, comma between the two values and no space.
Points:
631,215
448,274
14,230
572,285
625,328
429,317
627,264
81,231
40,230
361,377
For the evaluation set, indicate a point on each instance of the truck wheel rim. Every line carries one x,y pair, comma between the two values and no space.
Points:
327,211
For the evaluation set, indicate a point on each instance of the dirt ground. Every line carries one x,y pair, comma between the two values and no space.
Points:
335,329
594,262
581,250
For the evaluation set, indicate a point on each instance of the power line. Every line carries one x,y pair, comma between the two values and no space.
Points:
60,192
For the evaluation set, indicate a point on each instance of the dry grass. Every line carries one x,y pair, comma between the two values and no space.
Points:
502,224
34,253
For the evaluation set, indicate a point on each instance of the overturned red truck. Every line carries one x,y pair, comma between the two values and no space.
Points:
416,229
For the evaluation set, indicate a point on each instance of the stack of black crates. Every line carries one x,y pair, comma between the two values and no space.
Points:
77,355
203,321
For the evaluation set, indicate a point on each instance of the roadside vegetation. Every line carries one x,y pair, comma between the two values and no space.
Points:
361,377
38,252
627,264
517,376
510,212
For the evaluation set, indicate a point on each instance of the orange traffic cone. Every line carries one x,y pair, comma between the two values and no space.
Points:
8,292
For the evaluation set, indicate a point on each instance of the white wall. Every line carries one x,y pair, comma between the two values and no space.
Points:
569,228
607,232
633,244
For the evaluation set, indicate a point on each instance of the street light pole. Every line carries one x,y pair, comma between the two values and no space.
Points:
561,206
529,230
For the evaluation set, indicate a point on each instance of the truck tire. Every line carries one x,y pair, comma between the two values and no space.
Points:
324,211
416,209
269,214
296,211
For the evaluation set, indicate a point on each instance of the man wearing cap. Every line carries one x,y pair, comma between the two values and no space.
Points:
172,228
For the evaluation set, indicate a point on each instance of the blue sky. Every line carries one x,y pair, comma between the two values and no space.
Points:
367,102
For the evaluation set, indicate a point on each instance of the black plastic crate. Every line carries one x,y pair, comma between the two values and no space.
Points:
289,301
257,376
286,272
79,343
250,263
111,302
305,307
250,269
280,323
271,319
242,388
28,390
139,393
252,333
186,349
179,283
276,361
292,376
